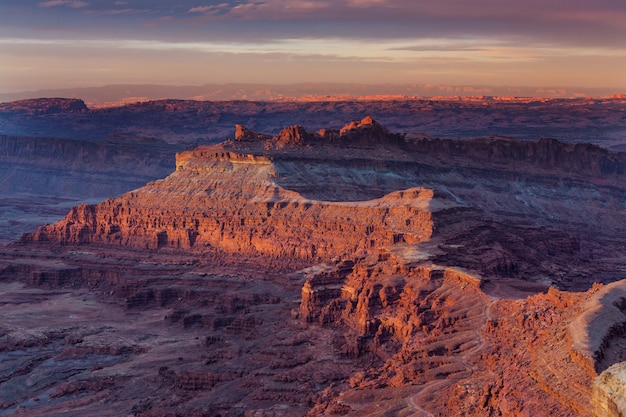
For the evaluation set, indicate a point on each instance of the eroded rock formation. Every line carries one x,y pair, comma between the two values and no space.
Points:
348,271
316,196
609,392
602,323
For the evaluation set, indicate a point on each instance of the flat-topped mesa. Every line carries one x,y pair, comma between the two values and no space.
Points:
273,224
315,196
41,106
231,197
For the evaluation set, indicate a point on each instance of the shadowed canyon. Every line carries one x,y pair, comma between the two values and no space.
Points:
367,270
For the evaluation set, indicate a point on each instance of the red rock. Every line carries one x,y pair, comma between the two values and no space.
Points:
356,273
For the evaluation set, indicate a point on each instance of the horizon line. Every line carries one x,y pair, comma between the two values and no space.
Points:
307,91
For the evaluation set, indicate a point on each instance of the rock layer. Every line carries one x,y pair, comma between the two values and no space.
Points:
316,196
191,121
351,271
609,392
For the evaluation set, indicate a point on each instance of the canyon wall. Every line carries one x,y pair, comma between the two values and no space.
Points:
269,220
192,122
80,169
315,196
42,177
348,271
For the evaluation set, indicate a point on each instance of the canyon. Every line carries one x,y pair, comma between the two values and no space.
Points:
42,178
85,153
192,122
339,271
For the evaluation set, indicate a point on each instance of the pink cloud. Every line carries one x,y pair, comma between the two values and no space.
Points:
209,9
74,4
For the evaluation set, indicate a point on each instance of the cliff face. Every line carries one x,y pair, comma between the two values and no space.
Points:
489,203
436,330
348,271
384,303
609,392
41,178
545,154
74,168
193,209
190,121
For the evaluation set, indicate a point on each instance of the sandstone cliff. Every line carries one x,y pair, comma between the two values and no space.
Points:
347,271
269,220
316,196
609,392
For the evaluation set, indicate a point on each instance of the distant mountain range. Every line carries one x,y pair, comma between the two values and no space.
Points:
111,95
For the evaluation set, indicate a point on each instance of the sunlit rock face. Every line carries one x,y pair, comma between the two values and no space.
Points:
609,392
492,204
350,271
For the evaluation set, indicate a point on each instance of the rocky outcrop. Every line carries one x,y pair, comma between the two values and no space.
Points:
581,158
268,224
292,136
365,132
242,133
488,203
383,302
609,392
603,320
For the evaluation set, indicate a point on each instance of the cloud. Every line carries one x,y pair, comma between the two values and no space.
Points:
213,9
534,23
439,48
602,22
269,10
368,3
114,12
74,4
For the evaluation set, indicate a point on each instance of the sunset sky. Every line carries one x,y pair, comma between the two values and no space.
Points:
72,43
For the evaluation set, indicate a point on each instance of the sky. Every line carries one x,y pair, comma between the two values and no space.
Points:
537,43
